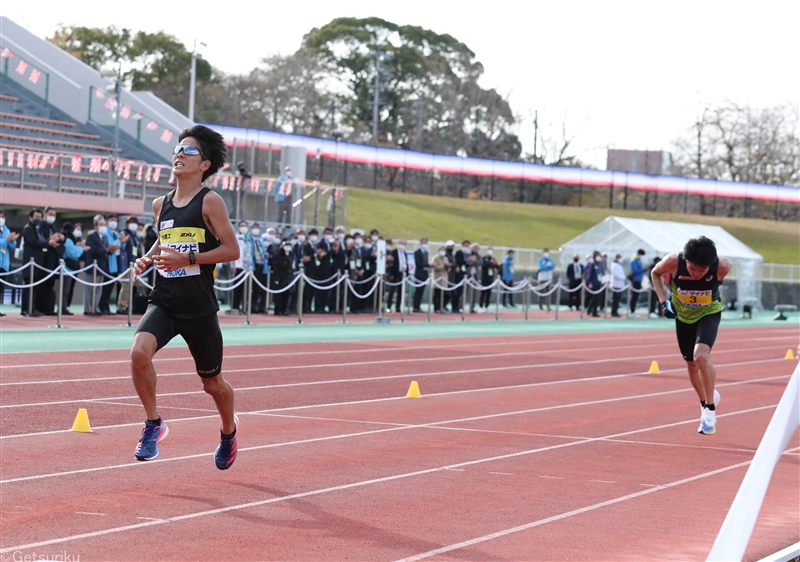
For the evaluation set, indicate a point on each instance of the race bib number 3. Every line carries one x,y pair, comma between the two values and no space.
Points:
694,299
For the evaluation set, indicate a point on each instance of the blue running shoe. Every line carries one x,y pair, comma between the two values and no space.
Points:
152,435
227,449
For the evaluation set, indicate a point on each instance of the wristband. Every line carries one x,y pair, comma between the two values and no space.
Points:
191,257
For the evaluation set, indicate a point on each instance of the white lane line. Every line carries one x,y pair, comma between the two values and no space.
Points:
503,473
650,485
395,477
441,347
456,469
275,411
588,508
604,481
389,377
431,425
552,477
91,513
623,357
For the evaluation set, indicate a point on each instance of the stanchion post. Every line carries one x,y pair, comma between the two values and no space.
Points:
628,304
527,300
558,297
347,289
300,299
497,301
463,299
649,302
338,289
380,296
403,298
269,290
583,297
430,296
30,289
94,286
60,291
131,291
248,294
606,292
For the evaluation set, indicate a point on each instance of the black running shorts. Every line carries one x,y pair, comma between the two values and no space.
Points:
702,331
202,335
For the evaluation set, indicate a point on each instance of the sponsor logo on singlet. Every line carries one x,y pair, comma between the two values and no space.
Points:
182,239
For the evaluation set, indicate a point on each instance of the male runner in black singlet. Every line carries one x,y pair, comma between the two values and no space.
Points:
194,234
694,302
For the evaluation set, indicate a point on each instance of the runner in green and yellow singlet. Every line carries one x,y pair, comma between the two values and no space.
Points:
695,304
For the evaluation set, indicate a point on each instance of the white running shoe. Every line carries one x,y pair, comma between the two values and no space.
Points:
708,422
653,315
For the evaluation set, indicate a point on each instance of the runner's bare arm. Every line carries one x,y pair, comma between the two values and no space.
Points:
216,216
724,268
145,261
667,265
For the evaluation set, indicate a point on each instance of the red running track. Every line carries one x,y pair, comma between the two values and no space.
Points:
521,448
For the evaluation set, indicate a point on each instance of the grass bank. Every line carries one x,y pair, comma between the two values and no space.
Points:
410,216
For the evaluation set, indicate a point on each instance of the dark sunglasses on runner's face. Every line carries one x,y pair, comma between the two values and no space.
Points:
188,150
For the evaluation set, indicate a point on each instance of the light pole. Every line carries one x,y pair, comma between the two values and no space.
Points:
385,57
117,89
193,79
336,136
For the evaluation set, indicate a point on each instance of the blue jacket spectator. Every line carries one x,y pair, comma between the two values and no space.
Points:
8,243
637,269
508,267
113,238
279,194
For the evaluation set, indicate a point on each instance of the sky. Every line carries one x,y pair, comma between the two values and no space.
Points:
612,73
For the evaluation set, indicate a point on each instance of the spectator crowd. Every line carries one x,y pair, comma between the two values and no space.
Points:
324,258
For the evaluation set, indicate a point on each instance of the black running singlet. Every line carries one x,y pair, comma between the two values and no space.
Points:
186,292
695,298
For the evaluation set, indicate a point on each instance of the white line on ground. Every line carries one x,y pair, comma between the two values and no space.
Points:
551,477
586,509
274,411
386,377
91,513
395,477
503,473
604,481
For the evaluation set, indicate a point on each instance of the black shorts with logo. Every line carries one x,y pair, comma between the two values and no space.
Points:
202,335
702,331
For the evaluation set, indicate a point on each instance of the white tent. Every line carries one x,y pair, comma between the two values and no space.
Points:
618,235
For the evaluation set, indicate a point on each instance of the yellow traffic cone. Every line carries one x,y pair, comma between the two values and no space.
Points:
789,355
81,422
413,390
653,368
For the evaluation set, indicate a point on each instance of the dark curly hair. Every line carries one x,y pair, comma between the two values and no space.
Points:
211,144
700,250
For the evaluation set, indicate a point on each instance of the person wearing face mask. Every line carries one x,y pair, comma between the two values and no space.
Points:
324,263
441,267
507,276
636,275
473,273
462,261
591,276
421,267
260,265
8,243
357,273
35,243
618,279
449,251
396,268
489,270
114,239
310,265
73,251
99,249
545,278
130,250
340,234
242,263
283,267
575,277
369,253
46,297
338,265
